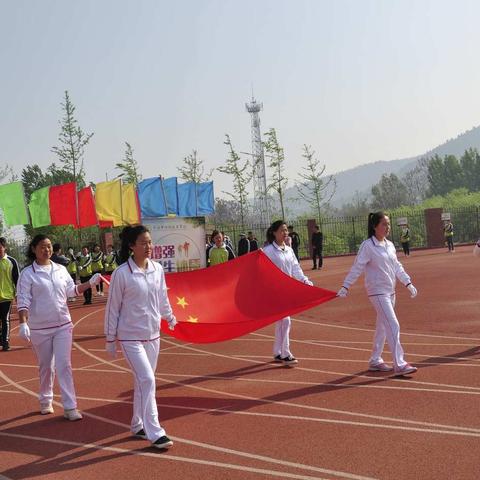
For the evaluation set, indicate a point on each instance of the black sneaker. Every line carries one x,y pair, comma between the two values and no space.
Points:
6,347
290,361
140,434
162,442
277,358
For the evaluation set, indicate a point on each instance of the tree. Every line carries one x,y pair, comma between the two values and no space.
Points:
226,213
277,164
313,188
72,141
358,206
241,178
193,169
470,165
416,182
129,167
444,175
389,193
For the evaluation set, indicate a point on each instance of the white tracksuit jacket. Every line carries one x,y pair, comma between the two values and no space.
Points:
43,290
137,300
285,260
381,267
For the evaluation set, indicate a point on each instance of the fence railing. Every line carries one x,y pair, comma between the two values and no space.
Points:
341,235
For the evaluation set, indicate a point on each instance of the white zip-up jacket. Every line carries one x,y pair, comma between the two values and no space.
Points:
137,301
43,290
381,267
285,260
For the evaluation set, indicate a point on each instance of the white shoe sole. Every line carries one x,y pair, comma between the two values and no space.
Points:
407,371
376,368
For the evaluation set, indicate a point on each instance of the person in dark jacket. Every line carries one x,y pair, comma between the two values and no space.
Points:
253,242
9,272
317,247
243,245
58,256
295,240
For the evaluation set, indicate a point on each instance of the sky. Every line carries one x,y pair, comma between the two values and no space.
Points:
358,80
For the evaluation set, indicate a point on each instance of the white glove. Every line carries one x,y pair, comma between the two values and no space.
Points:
308,282
343,292
412,290
24,331
476,249
172,321
111,349
95,280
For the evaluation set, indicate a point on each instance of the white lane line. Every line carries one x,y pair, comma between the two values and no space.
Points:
475,432
247,339
319,343
205,445
157,456
310,407
321,324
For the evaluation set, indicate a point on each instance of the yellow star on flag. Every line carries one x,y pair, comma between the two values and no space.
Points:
192,319
182,302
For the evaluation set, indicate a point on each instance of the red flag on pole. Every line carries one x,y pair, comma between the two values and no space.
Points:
235,298
87,216
63,208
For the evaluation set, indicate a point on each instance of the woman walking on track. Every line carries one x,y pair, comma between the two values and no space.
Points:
42,292
284,258
137,301
377,257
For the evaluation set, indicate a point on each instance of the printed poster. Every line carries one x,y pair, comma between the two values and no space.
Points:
178,243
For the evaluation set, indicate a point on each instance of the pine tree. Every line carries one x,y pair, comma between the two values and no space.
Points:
72,141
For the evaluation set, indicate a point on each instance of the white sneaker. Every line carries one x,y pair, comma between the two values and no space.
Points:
380,367
71,299
101,294
72,415
46,408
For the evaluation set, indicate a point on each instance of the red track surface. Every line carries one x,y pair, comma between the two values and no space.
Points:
234,414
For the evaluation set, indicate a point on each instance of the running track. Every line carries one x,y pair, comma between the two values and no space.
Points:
234,414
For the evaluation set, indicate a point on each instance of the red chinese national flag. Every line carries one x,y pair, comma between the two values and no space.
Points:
87,216
235,298
63,208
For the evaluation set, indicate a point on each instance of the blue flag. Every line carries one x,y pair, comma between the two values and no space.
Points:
152,198
205,199
187,199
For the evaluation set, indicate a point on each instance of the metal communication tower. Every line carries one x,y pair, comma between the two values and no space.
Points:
259,177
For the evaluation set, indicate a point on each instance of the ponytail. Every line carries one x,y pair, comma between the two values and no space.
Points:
272,229
128,237
373,220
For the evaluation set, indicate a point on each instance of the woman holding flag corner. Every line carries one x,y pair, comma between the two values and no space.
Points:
42,292
377,257
137,302
284,258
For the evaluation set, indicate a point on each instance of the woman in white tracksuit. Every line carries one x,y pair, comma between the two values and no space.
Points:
284,258
42,292
137,301
377,257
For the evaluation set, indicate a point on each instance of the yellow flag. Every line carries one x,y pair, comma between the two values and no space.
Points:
130,214
108,202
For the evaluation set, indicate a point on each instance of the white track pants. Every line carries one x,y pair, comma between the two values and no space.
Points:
53,348
281,345
387,328
142,358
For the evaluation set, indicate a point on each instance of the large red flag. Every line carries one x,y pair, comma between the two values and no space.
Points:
235,298
63,208
87,216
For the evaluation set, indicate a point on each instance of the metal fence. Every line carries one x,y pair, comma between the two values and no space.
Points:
343,235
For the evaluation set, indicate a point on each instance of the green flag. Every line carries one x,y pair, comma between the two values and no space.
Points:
39,207
12,203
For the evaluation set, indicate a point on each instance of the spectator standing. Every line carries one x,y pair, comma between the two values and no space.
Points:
243,245
253,242
295,242
219,251
317,247
9,272
448,232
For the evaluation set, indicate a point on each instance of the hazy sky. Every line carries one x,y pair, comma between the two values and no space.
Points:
358,80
